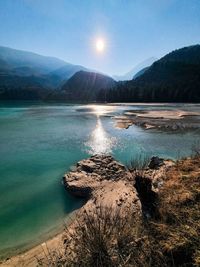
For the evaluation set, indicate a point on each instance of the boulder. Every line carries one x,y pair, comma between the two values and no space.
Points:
155,162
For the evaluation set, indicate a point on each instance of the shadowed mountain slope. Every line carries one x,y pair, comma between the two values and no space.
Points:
85,85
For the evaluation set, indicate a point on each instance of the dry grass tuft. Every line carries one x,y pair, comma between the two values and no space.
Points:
138,163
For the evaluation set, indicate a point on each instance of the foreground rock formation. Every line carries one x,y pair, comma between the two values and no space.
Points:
103,181
166,191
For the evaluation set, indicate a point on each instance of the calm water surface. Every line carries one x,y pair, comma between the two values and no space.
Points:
39,143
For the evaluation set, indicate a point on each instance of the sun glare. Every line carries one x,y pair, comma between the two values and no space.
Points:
100,45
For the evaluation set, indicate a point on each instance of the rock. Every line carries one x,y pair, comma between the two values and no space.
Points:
104,182
83,192
87,165
80,183
155,163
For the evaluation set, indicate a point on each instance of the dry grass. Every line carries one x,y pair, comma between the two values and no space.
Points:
179,209
107,238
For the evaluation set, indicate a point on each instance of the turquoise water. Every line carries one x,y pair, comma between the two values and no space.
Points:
39,143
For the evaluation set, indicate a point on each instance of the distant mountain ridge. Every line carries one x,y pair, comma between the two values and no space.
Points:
173,78
48,71
25,75
130,75
14,59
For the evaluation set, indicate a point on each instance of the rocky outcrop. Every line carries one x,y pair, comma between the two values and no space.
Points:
104,182
89,174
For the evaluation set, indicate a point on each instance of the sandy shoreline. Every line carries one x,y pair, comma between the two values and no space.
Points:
28,257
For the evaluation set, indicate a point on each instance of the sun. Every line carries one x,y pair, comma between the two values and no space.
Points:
100,45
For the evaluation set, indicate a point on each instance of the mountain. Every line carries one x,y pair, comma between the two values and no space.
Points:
22,70
139,73
173,78
129,75
23,63
13,59
173,64
68,71
84,86
59,76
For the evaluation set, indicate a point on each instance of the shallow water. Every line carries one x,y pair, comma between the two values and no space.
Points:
40,142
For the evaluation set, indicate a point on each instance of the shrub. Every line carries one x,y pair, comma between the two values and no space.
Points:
106,238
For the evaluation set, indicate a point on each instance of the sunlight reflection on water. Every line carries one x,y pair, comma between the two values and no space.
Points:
100,110
100,142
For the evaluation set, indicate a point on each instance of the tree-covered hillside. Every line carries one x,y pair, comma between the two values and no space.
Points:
173,78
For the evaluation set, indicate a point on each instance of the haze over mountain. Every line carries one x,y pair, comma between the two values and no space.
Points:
16,61
173,78
130,75
67,71
26,75
42,70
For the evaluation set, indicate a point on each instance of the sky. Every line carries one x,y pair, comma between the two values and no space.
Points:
132,30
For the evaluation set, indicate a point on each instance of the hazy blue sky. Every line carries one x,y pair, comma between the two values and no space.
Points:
134,30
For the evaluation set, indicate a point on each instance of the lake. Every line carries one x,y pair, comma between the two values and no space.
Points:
40,142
